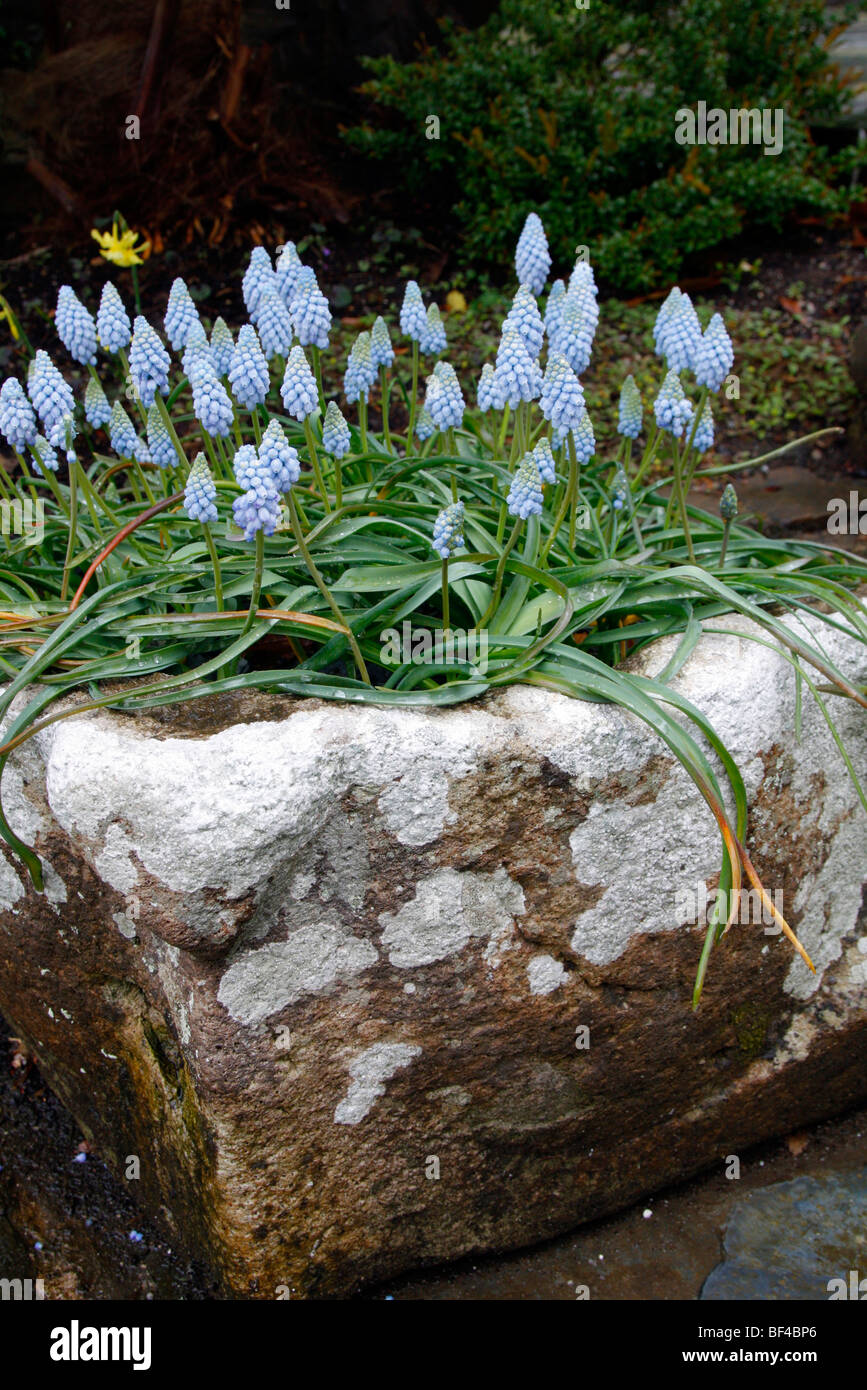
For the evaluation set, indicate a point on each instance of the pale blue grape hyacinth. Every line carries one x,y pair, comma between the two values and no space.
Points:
197,351
703,437
50,393
124,440
671,407
257,510
582,278
714,356
212,405
585,439
490,392
680,336
448,531
148,362
46,454
360,373
425,427
298,390
336,437
666,309
246,467
274,324
222,346
577,329
97,411
545,460
562,398
160,442
525,493
75,326
519,376
248,370
17,421
311,316
278,456
554,309
113,327
181,314
413,318
433,338
258,277
532,257
525,317
620,491
381,350
287,269
443,397
630,413
200,494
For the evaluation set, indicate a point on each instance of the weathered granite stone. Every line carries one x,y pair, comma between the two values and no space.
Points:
364,988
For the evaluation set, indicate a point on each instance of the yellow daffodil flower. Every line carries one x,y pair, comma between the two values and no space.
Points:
120,247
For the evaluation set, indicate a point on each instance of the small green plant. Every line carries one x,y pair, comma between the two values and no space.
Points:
574,112
242,506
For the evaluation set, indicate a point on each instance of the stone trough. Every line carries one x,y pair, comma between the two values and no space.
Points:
339,991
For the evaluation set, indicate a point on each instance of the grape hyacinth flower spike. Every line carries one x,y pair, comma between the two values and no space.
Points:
532,257
630,409
258,277
433,338
97,411
160,443
124,440
524,316
248,370
181,314
17,421
274,324
525,493
222,347
75,326
714,356
149,362
413,323
448,537
335,432
200,494
301,399
113,327
680,336
728,510
277,455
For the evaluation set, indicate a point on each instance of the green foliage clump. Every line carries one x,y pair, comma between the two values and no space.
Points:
573,112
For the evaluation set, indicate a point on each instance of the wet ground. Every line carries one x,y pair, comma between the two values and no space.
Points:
66,1219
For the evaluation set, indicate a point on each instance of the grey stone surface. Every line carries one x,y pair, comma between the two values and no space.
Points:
796,1240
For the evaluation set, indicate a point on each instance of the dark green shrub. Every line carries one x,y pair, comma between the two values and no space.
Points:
572,112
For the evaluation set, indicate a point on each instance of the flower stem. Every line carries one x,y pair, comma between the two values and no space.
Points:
321,586
445,594
314,459
727,526
498,578
71,538
317,368
413,395
257,581
384,390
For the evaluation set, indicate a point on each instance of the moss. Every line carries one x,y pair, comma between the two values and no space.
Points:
750,1023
